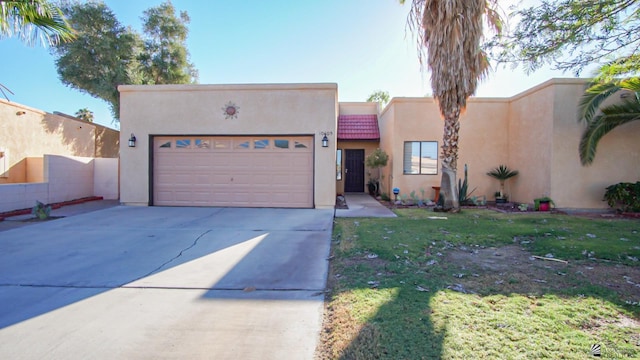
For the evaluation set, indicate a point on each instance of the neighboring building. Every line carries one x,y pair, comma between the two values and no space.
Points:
261,146
535,132
53,158
27,134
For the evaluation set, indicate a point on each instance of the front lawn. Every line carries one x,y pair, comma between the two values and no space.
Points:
482,284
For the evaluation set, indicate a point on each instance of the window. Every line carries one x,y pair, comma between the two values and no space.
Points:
202,144
166,144
420,157
339,164
261,144
221,144
281,144
183,144
243,145
299,145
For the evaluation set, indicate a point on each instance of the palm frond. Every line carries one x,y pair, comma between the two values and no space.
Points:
593,97
631,84
502,172
611,117
33,19
597,92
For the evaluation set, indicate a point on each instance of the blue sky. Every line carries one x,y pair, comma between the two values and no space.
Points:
362,45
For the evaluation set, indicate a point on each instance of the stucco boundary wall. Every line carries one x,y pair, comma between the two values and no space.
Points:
65,178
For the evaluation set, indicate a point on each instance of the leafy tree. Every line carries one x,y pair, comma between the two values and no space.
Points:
32,20
376,160
600,120
451,33
379,96
103,56
108,54
165,56
85,114
573,34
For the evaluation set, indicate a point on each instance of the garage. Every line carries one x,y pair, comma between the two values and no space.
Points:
233,171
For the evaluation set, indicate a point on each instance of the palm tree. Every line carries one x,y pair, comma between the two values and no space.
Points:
451,32
85,114
33,19
599,123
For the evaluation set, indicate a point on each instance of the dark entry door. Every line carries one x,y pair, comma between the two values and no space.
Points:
354,170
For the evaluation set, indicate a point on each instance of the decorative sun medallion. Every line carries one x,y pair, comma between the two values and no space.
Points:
230,110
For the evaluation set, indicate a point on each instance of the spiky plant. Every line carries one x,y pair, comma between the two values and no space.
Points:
502,173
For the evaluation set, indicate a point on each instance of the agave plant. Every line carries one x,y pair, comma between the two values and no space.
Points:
502,173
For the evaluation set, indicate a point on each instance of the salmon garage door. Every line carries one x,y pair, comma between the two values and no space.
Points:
258,171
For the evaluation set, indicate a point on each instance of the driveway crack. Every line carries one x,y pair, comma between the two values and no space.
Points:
195,242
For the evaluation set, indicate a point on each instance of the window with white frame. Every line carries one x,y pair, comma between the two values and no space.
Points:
420,158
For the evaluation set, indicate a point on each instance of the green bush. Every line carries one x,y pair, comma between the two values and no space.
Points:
41,211
624,195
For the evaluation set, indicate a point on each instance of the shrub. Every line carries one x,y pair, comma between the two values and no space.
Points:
41,211
376,160
625,195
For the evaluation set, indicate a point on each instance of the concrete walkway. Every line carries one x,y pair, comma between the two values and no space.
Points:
165,282
363,205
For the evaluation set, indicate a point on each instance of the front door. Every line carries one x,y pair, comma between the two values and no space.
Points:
354,170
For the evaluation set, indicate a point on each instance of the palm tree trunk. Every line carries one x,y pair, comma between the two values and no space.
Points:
448,186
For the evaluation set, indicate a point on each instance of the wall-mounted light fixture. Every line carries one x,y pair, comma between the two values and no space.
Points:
20,113
325,139
132,141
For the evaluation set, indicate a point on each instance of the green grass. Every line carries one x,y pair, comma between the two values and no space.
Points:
394,290
566,237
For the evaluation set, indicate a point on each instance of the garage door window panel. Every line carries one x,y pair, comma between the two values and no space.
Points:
221,144
301,145
203,143
243,145
261,144
281,143
183,144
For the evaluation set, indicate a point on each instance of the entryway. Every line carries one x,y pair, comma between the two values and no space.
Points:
354,170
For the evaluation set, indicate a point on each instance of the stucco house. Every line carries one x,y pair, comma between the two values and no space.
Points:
53,157
296,145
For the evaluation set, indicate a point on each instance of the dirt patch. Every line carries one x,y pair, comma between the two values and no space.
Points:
512,269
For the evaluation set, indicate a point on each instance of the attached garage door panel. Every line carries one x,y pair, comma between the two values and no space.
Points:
273,171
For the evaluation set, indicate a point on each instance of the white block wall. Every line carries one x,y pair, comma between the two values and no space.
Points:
65,178
69,177
105,178
22,196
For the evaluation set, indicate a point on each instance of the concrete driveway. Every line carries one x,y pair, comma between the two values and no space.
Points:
160,282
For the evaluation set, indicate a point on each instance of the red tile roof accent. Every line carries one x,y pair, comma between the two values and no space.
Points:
358,127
